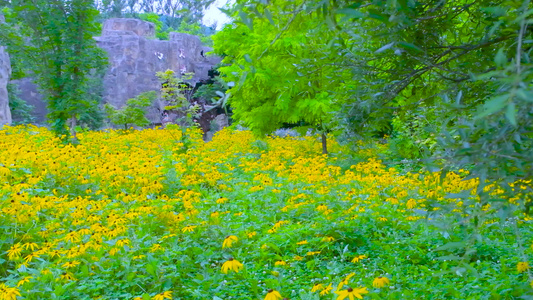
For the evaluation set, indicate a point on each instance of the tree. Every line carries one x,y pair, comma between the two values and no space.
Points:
281,73
176,10
57,37
178,95
133,113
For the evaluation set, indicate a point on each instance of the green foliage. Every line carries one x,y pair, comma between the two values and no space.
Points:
56,39
177,93
281,75
213,92
133,113
154,18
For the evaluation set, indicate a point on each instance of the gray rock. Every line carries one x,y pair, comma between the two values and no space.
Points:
5,73
134,59
138,27
28,91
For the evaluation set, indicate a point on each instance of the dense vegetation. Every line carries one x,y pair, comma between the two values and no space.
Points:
126,215
410,177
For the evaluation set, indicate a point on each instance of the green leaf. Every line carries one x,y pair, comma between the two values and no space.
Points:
493,105
451,246
268,14
351,13
246,20
247,58
146,296
500,59
410,46
388,46
510,113
150,269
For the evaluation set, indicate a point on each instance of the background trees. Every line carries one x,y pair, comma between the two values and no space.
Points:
55,37
444,79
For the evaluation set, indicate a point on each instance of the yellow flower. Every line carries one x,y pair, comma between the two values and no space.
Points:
326,290
228,241
188,228
251,234
317,287
280,263
71,264
8,293
24,280
351,293
380,282
46,272
345,281
328,239
310,253
272,295
298,258
14,251
231,264
156,247
163,296
358,258
522,267
302,242
67,276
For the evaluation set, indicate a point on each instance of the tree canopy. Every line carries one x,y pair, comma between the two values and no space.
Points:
56,41
446,78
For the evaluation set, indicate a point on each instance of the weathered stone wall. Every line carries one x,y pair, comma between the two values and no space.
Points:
5,73
134,58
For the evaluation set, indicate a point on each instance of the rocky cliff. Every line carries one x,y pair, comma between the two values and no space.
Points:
5,72
134,58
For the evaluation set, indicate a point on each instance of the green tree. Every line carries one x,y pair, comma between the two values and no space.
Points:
282,70
57,38
178,95
133,113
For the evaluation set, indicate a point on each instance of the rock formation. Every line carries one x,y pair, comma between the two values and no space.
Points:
5,73
135,57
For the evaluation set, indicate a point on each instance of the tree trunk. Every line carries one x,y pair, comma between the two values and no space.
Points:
324,144
73,123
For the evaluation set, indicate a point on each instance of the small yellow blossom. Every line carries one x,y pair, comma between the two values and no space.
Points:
380,282
326,290
8,293
272,295
70,264
351,293
232,265
163,296
24,280
358,258
229,240
522,267
189,228
328,239
280,263
317,287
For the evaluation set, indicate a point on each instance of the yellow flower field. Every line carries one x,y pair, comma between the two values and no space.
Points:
135,215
